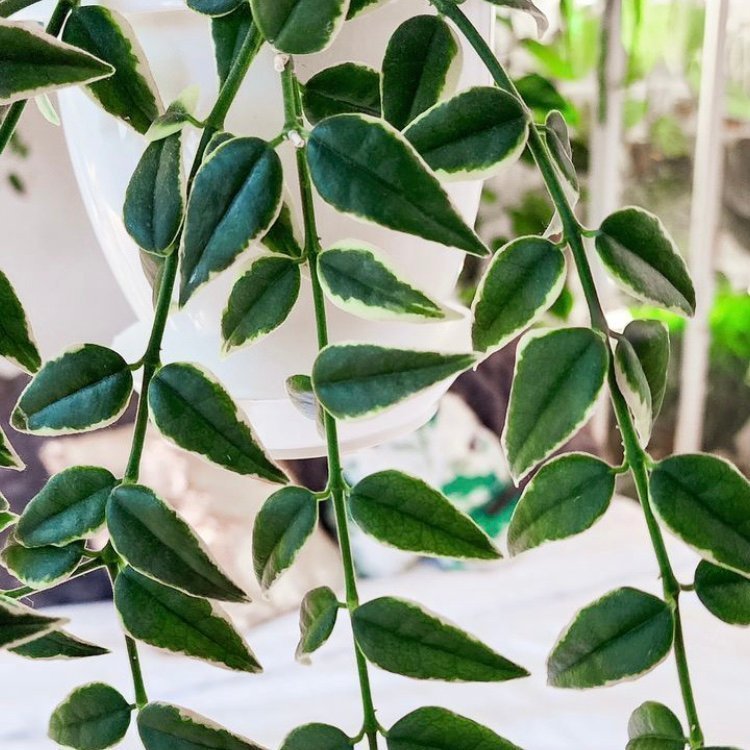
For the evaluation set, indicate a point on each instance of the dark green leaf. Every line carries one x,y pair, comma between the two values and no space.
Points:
523,280
706,502
192,409
623,635
358,280
650,340
653,726
215,7
7,519
84,389
358,380
130,93
317,737
20,624
724,593
261,301
567,496
92,717
168,619
284,236
559,375
542,97
228,34
41,567
360,6
58,645
317,618
399,636
33,62
16,338
542,23
472,135
418,68
9,459
300,26
283,525
432,728
155,541
344,88
558,142
165,727
633,384
364,168
641,256
69,507
235,198
405,512
154,202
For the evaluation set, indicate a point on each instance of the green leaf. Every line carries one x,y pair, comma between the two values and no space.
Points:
406,513
402,637
131,93
650,341
653,726
634,386
165,727
317,619
542,97
284,236
261,301
364,168
178,115
643,259
623,635
41,567
92,717
523,280
559,375
235,198
47,109
471,136
33,62
283,525
16,337
542,22
724,593
358,380
192,409
69,507
300,27
558,143
7,519
154,540
58,645
344,88
316,737
360,6
154,201
85,388
706,502
419,68
168,619
432,728
357,279
20,624
9,459
299,388
567,496
229,32
214,7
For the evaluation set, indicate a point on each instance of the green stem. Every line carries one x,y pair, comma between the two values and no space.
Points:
635,457
336,484
81,570
54,27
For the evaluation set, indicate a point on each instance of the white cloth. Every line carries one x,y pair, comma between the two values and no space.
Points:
518,606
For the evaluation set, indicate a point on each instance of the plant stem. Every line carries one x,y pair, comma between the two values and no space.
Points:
336,484
634,455
81,570
54,27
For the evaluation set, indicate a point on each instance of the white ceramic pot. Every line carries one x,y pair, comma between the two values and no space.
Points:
104,152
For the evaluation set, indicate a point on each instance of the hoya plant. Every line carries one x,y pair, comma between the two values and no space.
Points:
376,145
